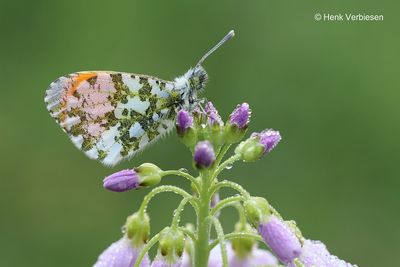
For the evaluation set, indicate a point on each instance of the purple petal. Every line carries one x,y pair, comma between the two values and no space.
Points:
184,120
280,238
257,257
268,138
240,116
314,253
121,254
212,113
159,261
215,258
204,154
122,181
186,260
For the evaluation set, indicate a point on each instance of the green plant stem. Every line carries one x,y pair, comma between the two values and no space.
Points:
145,249
222,153
201,252
235,235
221,241
225,202
225,164
232,185
166,188
188,233
242,215
182,174
177,213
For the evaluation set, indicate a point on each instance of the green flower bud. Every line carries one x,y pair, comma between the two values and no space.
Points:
233,134
137,228
149,174
237,124
243,246
258,145
250,150
257,210
171,244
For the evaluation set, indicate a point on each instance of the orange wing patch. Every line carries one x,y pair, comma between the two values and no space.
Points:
80,78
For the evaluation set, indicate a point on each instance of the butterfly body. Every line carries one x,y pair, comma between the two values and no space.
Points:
114,115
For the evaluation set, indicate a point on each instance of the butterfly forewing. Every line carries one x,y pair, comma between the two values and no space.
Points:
112,115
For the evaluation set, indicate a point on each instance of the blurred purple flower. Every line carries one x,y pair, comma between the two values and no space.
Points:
184,120
257,257
204,155
268,138
122,181
214,200
212,114
240,116
160,261
314,253
280,238
121,254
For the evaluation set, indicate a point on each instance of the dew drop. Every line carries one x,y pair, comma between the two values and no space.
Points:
228,167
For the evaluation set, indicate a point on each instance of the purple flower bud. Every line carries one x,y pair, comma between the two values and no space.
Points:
314,253
214,200
121,254
204,155
122,181
212,114
280,238
240,116
268,138
184,120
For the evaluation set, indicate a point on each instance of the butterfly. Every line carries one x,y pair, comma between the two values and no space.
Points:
112,116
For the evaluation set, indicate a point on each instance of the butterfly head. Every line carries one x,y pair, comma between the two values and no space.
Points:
196,78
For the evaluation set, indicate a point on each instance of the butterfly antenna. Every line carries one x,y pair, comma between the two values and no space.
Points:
224,40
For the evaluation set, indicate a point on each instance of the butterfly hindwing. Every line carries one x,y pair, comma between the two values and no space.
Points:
112,115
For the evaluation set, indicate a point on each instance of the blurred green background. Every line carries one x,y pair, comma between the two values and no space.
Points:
332,89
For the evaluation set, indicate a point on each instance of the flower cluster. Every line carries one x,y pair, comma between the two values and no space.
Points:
209,138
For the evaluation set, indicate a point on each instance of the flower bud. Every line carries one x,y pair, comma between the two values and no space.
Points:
280,239
257,145
240,117
268,138
214,201
122,181
184,121
204,155
257,210
171,245
238,122
244,245
137,228
212,114
146,174
149,174
184,127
